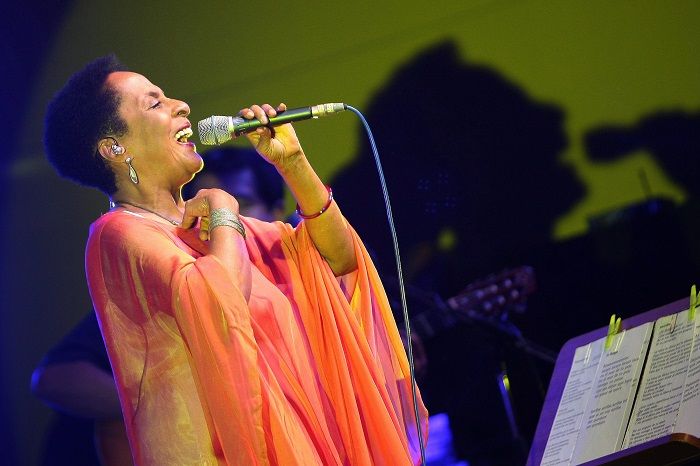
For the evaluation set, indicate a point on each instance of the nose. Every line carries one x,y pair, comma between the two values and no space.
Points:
181,108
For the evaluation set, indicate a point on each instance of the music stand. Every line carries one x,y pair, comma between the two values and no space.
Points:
670,449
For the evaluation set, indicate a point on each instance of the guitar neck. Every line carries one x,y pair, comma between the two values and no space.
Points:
487,300
428,324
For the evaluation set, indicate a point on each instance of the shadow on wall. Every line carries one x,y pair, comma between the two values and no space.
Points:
472,169
673,138
472,166
652,245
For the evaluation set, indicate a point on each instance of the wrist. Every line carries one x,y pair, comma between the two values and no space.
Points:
222,200
312,215
292,164
223,217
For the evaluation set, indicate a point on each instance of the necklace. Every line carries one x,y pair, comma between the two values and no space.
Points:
122,203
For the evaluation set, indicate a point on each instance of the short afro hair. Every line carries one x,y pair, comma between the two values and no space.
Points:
84,111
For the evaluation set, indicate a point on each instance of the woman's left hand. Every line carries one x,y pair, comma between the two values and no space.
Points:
279,145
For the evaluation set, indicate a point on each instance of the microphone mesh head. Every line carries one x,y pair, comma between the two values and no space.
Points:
214,130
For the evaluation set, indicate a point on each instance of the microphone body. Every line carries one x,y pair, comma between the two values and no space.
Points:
218,129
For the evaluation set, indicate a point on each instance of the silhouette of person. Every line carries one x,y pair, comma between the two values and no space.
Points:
489,197
673,138
462,211
651,246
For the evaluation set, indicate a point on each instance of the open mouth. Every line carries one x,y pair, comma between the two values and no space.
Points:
183,135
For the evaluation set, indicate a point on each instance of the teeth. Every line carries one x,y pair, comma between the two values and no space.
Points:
183,134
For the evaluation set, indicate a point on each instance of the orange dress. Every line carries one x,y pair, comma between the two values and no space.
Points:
311,370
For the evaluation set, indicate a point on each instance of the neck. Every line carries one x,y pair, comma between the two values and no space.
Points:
164,204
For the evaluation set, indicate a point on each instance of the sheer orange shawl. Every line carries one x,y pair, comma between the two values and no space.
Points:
311,370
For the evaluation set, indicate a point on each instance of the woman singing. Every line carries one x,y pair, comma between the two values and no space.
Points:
233,341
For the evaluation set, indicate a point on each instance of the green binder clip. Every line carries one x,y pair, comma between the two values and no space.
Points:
613,329
693,303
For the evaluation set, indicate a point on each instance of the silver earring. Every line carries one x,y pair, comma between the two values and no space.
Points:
132,173
117,149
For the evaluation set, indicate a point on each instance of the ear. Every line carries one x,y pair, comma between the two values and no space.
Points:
106,147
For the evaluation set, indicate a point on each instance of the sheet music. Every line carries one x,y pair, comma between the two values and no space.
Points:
661,390
565,428
608,410
687,421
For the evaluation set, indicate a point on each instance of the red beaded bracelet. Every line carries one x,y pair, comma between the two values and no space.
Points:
325,207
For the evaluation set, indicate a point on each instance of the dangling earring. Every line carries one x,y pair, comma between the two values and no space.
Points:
132,173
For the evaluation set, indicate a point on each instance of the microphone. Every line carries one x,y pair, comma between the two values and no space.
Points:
218,129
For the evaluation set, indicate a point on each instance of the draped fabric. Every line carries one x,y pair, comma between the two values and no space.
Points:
311,370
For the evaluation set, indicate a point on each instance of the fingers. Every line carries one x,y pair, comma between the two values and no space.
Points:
262,113
200,207
204,228
273,144
195,208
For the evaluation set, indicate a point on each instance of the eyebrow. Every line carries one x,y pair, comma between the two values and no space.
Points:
156,94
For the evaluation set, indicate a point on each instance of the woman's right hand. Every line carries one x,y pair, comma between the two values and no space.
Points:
201,205
229,248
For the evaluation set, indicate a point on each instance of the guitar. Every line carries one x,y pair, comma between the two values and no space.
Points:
488,300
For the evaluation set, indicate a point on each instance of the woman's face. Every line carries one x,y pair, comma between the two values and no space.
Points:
158,131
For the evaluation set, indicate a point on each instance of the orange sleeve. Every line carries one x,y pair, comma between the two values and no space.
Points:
355,343
154,275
